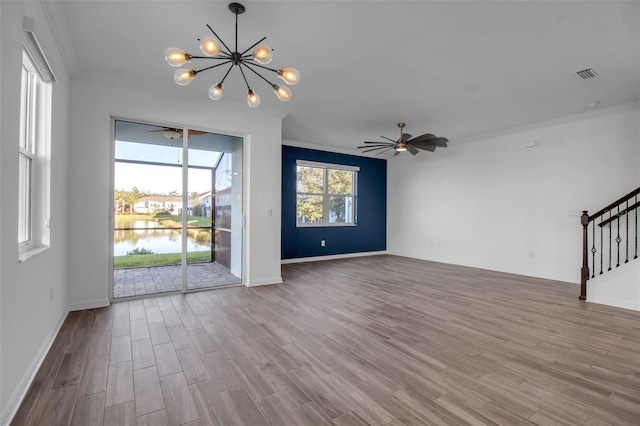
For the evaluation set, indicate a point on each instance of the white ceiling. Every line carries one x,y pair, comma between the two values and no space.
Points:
452,68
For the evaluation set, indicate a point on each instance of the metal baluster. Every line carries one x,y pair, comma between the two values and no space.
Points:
593,249
626,238
637,208
601,240
618,239
609,224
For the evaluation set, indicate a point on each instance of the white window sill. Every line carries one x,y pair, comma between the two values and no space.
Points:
323,225
28,254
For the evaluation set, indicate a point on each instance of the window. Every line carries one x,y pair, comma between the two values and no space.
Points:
34,155
326,194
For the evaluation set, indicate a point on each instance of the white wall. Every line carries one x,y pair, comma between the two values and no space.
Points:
236,212
29,319
491,203
92,106
620,287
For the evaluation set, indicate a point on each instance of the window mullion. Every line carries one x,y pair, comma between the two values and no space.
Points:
325,197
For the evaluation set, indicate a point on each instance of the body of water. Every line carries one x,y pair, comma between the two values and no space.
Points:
157,240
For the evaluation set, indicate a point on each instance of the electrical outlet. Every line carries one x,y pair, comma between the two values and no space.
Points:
322,243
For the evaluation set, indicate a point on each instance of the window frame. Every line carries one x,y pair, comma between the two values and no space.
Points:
326,195
34,142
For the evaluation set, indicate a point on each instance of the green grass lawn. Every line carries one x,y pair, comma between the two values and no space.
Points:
166,219
142,260
191,220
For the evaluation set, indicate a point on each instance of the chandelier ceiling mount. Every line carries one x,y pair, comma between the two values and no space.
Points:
214,48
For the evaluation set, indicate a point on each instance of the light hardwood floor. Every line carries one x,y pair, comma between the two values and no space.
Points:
379,340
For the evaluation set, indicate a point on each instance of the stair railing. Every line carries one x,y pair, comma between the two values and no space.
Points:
603,241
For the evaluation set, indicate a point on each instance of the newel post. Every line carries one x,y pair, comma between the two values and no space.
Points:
584,276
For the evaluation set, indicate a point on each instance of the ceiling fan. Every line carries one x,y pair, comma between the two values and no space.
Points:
173,133
427,142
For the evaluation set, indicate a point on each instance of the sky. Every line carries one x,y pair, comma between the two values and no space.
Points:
161,179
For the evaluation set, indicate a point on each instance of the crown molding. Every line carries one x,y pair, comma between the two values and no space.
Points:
549,123
58,25
326,148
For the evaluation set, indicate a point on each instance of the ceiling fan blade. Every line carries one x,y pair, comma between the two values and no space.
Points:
412,150
397,153
377,148
389,139
380,143
439,142
197,132
406,137
158,130
430,148
382,152
424,137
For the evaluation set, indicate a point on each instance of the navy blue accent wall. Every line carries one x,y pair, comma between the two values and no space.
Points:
370,233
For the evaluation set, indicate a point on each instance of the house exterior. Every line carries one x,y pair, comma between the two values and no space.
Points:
159,204
200,205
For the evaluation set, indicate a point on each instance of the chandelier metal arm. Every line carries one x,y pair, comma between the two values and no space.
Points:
266,68
257,73
212,66
220,40
254,45
244,76
227,73
227,57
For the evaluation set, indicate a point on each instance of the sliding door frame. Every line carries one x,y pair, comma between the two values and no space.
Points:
185,196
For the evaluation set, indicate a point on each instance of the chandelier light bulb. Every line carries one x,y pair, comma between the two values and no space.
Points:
209,46
215,92
184,76
253,99
291,76
283,93
176,57
262,54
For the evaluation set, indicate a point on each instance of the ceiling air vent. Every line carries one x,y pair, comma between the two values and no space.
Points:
587,73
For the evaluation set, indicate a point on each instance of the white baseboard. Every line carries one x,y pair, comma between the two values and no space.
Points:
333,256
16,399
615,303
268,281
92,304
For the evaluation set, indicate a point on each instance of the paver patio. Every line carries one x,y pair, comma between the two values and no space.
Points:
159,279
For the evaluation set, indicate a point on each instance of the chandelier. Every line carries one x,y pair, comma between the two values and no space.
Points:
216,49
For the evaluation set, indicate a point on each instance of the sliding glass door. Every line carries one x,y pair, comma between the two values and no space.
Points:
215,205
170,185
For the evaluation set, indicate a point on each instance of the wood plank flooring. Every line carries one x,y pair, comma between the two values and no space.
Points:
379,340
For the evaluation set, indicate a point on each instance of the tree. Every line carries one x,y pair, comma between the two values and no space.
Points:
126,198
195,203
311,185
340,190
311,193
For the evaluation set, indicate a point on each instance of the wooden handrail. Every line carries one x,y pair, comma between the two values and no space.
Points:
586,219
617,215
614,204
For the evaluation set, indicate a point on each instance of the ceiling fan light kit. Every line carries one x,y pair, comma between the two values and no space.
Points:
214,48
172,133
406,142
